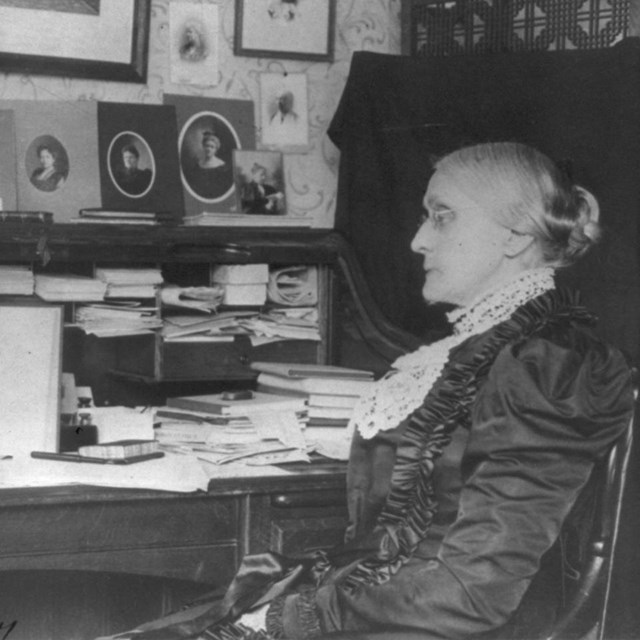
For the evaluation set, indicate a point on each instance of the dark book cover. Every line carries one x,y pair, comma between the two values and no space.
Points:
138,158
209,131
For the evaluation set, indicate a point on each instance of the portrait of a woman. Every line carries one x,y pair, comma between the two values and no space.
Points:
205,158
48,176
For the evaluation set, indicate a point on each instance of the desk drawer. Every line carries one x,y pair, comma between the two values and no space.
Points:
119,525
296,522
215,564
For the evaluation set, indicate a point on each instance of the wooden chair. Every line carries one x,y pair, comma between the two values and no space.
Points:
584,613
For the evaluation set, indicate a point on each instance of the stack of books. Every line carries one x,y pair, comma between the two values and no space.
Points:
109,216
331,392
208,219
130,283
61,288
16,280
119,449
106,321
26,217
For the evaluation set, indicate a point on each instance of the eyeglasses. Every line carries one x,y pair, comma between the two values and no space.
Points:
441,217
437,219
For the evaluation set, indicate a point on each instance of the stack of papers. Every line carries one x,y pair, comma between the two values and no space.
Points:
265,429
218,328
16,280
204,299
130,283
285,324
63,288
104,320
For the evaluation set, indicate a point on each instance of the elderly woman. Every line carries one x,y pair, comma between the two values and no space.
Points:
468,456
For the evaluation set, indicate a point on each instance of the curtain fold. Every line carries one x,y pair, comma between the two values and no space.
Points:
397,113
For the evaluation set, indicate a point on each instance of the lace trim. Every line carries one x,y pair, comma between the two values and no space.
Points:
403,389
411,503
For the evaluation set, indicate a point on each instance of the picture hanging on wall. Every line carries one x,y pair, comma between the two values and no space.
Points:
193,30
295,29
209,131
90,39
284,122
56,156
260,185
138,159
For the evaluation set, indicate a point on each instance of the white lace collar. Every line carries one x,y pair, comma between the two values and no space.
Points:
391,399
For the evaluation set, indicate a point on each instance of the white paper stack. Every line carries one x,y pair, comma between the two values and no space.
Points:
107,321
16,280
244,284
284,324
130,283
61,288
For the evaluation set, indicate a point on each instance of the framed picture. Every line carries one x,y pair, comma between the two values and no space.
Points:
209,129
259,181
284,122
56,156
98,39
138,158
194,34
296,29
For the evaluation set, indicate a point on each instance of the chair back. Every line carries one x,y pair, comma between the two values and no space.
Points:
584,612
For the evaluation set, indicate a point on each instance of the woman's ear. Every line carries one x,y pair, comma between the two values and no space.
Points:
517,243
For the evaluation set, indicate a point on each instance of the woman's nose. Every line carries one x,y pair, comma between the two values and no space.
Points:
422,241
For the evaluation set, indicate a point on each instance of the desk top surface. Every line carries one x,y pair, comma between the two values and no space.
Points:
319,475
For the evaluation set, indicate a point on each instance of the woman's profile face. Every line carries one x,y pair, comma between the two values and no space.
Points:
46,158
462,244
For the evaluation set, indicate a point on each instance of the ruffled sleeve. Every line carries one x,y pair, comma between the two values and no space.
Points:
548,410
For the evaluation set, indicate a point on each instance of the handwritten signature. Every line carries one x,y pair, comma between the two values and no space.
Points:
6,628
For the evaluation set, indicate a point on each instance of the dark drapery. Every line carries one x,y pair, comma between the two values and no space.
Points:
580,107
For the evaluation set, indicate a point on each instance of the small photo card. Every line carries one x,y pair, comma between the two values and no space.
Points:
194,34
259,181
283,111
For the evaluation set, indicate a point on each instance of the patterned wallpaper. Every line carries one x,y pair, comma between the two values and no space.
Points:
372,25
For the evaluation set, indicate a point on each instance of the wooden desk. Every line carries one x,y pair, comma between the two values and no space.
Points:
196,536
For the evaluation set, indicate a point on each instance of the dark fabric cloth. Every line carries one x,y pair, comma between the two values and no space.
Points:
579,107
550,407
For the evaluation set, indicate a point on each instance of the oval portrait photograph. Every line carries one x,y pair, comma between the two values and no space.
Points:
206,144
47,163
131,164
